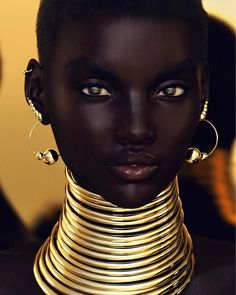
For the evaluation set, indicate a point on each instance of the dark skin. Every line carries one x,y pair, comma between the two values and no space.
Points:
122,95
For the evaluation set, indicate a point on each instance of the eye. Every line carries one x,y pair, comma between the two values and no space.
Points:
173,91
95,91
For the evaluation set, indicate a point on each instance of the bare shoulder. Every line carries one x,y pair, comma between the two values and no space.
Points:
16,271
215,268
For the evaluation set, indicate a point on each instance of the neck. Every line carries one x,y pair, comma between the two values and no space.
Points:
99,248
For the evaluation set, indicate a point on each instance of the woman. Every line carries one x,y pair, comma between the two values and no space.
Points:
123,86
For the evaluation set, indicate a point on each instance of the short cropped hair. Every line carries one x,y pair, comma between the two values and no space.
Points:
53,13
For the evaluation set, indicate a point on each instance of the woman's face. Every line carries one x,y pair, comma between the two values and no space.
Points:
124,97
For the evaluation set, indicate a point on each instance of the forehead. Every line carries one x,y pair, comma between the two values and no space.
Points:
138,43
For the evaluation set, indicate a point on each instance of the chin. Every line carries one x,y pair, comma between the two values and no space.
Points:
131,195
132,204
122,193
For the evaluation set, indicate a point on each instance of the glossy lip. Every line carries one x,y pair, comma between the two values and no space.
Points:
130,166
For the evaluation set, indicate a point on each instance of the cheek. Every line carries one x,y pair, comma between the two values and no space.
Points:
81,128
179,122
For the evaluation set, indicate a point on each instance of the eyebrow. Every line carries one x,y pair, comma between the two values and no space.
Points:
183,66
95,68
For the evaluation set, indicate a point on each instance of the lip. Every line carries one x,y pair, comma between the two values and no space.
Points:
134,172
131,166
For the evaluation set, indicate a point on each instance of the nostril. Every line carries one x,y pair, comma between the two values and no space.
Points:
151,135
142,136
124,140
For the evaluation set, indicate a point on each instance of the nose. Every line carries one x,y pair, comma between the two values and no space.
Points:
135,126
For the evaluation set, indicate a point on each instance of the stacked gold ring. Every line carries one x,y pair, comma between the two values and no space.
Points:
99,248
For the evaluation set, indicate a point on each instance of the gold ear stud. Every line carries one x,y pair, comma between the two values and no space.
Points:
204,111
37,114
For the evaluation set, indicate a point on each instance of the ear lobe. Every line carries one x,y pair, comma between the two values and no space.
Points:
34,89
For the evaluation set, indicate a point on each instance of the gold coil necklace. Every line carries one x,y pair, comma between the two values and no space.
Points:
99,248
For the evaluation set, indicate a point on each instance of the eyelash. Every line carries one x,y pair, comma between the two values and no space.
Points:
161,93
104,90
181,90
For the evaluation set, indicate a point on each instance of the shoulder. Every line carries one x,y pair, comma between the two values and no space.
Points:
16,270
215,268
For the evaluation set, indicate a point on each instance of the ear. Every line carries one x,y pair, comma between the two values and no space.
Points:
204,85
34,89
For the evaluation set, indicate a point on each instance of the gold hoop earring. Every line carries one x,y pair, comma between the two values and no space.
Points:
49,156
194,154
37,114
